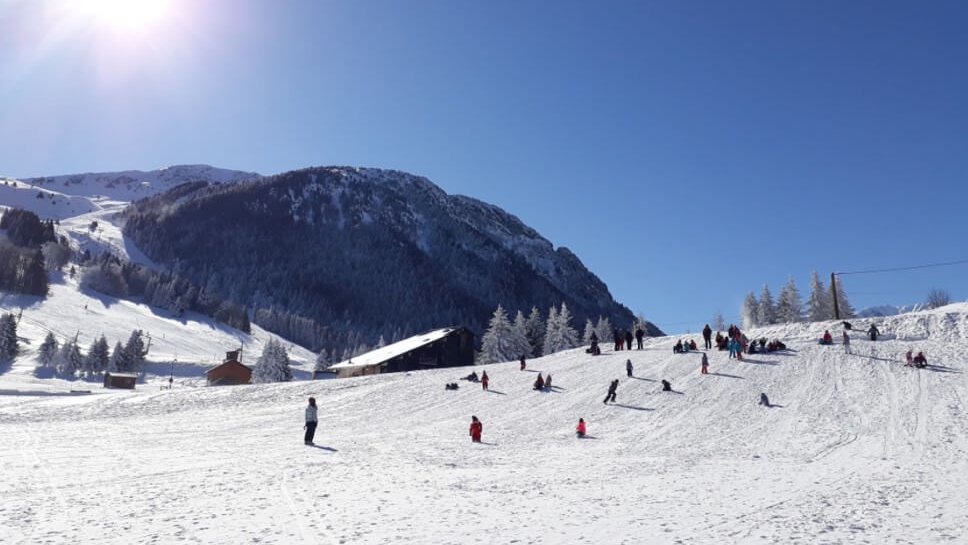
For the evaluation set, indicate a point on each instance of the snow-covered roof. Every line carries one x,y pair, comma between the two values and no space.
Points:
122,375
390,351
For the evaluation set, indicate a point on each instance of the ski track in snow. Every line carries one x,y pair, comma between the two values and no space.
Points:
859,449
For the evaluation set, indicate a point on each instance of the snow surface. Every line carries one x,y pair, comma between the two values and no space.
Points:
858,449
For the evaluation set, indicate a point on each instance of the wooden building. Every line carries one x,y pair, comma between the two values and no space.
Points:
448,347
120,380
230,372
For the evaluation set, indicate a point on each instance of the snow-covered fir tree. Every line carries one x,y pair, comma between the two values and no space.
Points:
559,335
273,364
135,351
497,344
519,335
71,360
718,324
843,305
119,362
322,362
381,342
589,329
603,328
640,323
765,307
9,345
789,306
749,312
97,356
47,352
819,307
535,328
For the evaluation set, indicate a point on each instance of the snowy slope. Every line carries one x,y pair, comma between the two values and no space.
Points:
185,346
859,449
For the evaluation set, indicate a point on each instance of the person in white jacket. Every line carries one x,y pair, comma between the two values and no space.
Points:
311,421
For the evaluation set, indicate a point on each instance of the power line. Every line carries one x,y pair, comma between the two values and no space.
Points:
913,267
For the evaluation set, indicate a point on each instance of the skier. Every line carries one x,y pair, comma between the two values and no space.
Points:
523,365
704,365
628,340
765,401
539,383
610,396
580,428
707,336
311,422
484,380
846,342
873,332
639,334
476,429
666,386
628,367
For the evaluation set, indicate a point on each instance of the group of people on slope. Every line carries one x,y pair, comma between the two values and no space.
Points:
623,339
683,347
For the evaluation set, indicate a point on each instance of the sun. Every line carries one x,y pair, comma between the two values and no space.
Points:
125,14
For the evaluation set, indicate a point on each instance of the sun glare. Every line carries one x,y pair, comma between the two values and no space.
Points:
125,14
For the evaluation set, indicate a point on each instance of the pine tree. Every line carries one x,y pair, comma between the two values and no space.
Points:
273,364
119,362
589,329
535,327
749,311
322,362
718,323
519,335
789,307
818,305
135,351
559,335
98,356
765,307
71,359
604,329
496,344
9,345
843,305
47,353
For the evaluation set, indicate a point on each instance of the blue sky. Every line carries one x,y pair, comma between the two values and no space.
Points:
687,152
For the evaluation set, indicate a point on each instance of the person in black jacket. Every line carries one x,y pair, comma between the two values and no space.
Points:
707,336
610,396
628,367
628,340
638,337
873,332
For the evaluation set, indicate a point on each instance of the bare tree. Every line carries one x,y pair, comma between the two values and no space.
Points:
938,298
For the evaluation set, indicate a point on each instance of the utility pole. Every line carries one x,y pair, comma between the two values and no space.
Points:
833,291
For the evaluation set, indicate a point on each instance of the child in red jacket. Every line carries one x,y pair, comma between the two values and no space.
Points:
476,429
580,428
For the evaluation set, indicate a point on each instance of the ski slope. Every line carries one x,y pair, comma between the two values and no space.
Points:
858,449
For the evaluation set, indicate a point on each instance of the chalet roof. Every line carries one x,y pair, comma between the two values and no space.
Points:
122,375
226,363
390,351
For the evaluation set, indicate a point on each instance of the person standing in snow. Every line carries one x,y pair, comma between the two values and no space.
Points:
628,340
580,428
704,365
846,342
523,364
873,332
707,336
610,396
311,422
476,429
484,380
628,367
639,334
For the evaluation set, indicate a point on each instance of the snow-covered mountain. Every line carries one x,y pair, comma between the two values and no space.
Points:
362,253
857,448
887,310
